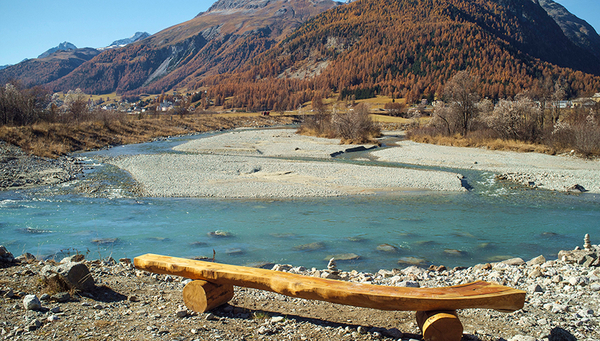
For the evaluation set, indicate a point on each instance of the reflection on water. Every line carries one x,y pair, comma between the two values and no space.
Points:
490,223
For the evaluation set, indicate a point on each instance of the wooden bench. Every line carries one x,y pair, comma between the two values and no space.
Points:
435,307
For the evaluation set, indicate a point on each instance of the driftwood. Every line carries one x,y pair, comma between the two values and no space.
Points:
435,306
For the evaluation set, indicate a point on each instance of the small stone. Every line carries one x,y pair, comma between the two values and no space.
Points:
361,330
52,318
595,287
35,324
61,297
539,260
32,302
181,313
9,294
535,288
514,261
97,306
393,333
277,319
44,297
133,298
211,317
55,310
409,284
535,273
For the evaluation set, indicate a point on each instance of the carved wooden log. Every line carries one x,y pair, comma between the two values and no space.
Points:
440,325
202,296
472,295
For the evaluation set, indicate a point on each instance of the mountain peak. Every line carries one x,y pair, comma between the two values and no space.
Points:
137,36
64,46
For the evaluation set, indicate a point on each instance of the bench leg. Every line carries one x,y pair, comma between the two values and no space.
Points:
440,325
202,296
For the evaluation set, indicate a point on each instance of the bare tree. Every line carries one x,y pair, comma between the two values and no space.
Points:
76,104
461,91
518,119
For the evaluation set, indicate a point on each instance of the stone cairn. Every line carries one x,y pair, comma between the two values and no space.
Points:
588,257
586,242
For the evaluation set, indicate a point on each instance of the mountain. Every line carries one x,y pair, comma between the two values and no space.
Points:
122,42
65,46
577,30
2,67
410,48
43,70
222,39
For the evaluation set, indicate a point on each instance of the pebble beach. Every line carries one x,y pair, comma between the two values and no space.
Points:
277,163
123,303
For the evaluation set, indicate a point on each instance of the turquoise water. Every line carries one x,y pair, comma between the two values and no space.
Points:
490,221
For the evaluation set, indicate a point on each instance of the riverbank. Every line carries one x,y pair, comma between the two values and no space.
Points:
130,304
277,163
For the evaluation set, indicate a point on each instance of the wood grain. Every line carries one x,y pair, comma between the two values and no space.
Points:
472,295
440,325
201,296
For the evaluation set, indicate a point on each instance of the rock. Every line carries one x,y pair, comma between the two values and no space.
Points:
387,248
595,287
26,258
74,258
71,274
408,284
559,334
220,234
32,302
513,261
9,294
310,247
52,318
586,242
61,297
393,333
576,188
35,324
125,260
343,257
5,256
412,261
522,338
535,288
45,297
535,273
104,241
277,319
486,266
210,317
455,253
539,260
588,261
181,313
55,310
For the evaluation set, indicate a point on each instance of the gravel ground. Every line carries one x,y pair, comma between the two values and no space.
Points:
21,170
532,169
129,304
251,164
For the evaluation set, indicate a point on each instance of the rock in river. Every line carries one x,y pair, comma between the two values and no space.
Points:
310,247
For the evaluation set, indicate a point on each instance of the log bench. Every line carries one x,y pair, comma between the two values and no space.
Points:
436,307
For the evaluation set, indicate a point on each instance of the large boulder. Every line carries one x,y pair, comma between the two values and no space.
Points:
5,256
72,274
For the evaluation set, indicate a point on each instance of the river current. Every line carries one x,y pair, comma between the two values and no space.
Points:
491,222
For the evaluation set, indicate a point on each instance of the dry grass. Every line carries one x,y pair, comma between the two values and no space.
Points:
493,144
55,139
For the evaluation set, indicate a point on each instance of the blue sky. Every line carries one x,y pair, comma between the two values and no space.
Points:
30,27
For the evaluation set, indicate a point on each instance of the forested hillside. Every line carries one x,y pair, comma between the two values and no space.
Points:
410,48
